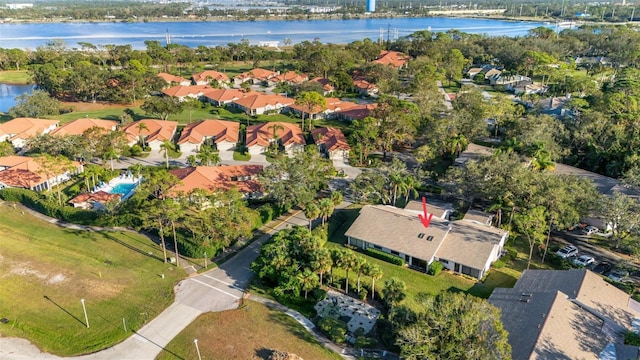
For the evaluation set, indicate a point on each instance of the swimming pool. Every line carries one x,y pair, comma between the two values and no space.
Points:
123,188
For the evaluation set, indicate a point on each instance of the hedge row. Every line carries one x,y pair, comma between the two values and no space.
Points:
37,202
379,254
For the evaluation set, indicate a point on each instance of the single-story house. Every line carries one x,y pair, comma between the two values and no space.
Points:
462,246
327,88
95,201
332,105
19,130
392,58
365,88
567,314
25,172
205,78
220,133
554,106
260,136
222,97
439,209
506,81
183,92
258,103
255,76
357,112
331,142
173,79
78,127
290,77
218,178
526,87
154,132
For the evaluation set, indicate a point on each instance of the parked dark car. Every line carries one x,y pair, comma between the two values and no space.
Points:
602,268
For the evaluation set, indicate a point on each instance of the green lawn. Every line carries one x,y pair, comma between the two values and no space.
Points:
15,77
238,156
250,332
47,269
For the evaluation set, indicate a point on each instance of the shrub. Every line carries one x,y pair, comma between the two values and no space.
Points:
631,338
363,342
37,202
268,212
499,264
335,329
435,268
319,294
379,254
362,294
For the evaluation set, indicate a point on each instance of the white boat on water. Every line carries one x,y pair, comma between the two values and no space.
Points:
568,24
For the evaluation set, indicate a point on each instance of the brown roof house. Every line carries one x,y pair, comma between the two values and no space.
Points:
255,76
173,80
462,246
365,88
205,78
25,172
356,112
332,106
222,97
258,103
218,178
289,136
94,201
19,130
327,88
331,142
185,92
154,132
392,58
567,314
221,134
78,127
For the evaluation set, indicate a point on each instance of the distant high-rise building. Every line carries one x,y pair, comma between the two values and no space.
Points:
371,5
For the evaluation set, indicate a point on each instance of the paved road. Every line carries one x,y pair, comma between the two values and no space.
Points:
216,290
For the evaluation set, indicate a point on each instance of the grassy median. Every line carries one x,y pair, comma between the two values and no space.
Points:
45,271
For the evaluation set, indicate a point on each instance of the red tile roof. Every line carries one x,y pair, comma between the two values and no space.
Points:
100,196
291,77
261,134
332,105
220,129
169,78
181,90
209,75
224,95
364,84
156,130
78,127
258,74
258,100
332,138
22,171
326,83
215,178
392,58
360,111
25,128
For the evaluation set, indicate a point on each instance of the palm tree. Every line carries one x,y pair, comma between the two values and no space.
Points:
137,168
347,263
457,144
336,198
311,211
166,147
326,209
394,292
141,126
308,280
110,154
276,139
322,262
359,264
336,260
373,271
207,156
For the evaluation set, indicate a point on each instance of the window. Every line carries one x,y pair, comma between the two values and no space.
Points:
444,261
421,236
377,247
395,253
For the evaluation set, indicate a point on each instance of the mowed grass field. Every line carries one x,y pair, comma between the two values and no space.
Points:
45,270
250,332
15,77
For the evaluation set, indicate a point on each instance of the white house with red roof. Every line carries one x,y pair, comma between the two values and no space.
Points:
260,136
222,97
363,87
332,142
173,79
332,105
290,77
356,112
218,178
255,76
185,92
327,88
19,130
392,58
223,134
154,132
78,127
25,172
205,78
258,103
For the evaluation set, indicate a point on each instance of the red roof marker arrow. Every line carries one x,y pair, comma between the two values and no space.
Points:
426,217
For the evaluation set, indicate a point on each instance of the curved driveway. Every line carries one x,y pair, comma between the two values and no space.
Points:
216,290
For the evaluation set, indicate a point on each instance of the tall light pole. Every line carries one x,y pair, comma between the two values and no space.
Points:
86,318
195,341
205,260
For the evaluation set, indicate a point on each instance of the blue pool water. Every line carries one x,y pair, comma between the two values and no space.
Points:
122,189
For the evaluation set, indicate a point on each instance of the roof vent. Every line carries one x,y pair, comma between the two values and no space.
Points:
524,300
429,238
421,235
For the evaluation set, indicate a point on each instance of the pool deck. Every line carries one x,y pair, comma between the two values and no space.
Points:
122,179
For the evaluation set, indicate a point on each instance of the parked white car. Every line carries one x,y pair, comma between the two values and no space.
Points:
618,275
567,251
590,230
583,261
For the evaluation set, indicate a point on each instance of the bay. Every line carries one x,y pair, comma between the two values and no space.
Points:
193,34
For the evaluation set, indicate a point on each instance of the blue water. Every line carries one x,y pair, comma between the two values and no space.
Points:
122,189
193,34
8,95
